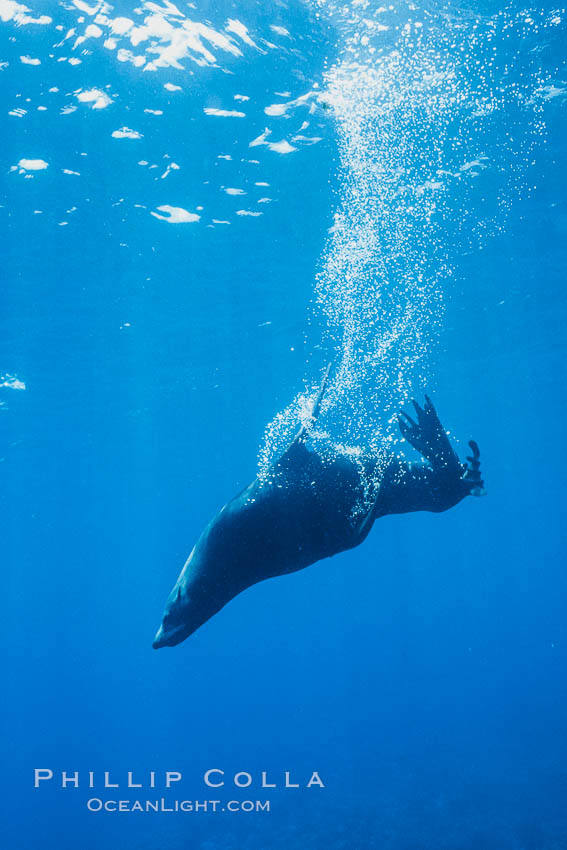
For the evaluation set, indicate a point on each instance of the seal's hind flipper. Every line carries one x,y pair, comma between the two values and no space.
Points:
428,436
472,476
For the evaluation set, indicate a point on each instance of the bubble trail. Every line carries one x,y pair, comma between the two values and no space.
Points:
437,118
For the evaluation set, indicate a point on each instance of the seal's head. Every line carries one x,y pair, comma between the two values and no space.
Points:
174,627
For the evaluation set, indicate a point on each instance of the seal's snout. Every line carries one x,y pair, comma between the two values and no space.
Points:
169,635
160,639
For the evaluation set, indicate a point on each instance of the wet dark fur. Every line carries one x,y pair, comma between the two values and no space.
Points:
305,509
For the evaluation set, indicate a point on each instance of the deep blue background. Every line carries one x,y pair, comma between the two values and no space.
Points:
422,675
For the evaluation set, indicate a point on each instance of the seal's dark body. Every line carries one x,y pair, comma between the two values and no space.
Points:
306,508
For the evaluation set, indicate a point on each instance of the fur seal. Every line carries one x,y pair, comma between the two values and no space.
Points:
304,510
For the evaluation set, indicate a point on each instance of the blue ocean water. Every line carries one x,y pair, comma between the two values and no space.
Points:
203,204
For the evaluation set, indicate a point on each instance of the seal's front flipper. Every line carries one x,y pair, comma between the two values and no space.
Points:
297,447
301,435
368,520
428,436
472,476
